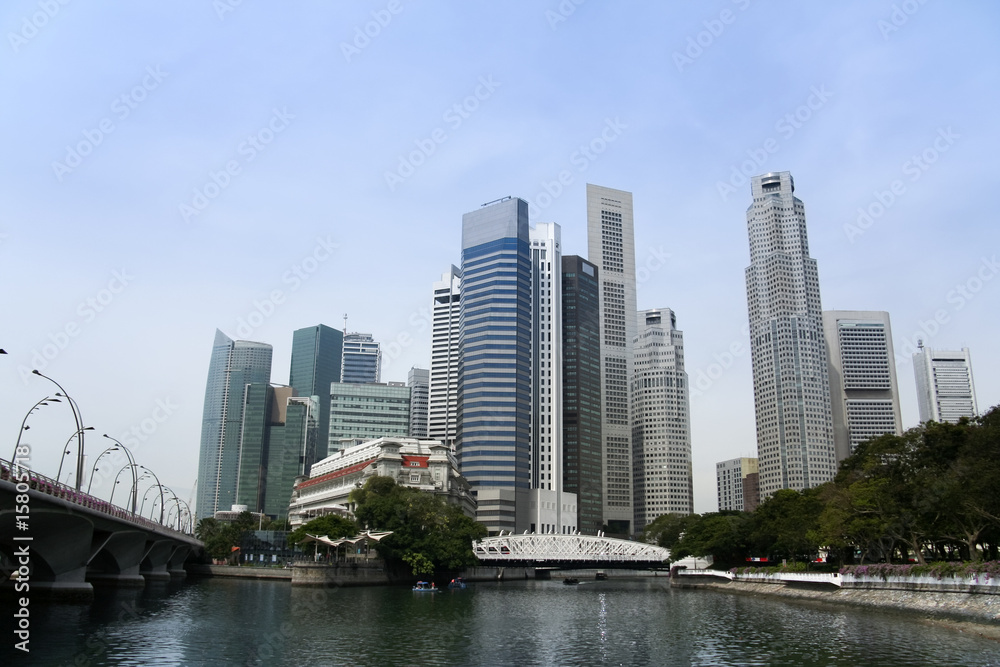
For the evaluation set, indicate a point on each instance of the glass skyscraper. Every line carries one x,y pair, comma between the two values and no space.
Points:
316,357
233,366
494,386
583,462
362,359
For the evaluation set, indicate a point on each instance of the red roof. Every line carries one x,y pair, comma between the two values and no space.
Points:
336,474
420,461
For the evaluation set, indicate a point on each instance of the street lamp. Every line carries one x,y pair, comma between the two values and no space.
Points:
115,485
66,451
79,426
161,491
25,427
131,460
113,448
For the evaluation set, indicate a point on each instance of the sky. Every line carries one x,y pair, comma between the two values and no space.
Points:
169,169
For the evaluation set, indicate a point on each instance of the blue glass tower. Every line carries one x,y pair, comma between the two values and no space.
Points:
494,340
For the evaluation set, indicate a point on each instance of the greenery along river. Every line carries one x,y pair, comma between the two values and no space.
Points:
614,622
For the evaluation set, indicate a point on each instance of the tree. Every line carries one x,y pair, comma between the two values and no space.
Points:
722,535
786,524
666,529
427,531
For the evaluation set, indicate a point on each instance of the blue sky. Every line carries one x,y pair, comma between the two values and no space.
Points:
170,169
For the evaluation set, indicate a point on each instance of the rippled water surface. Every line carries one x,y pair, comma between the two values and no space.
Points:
613,622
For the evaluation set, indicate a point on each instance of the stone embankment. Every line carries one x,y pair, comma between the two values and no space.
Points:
971,599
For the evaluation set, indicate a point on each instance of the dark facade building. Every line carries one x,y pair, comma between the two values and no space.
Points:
583,470
316,358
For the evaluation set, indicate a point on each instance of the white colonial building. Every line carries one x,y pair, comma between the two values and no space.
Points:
427,465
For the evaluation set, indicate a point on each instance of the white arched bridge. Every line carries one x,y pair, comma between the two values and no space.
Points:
569,551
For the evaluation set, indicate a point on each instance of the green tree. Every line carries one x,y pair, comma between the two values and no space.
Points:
666,530
786,524
722,535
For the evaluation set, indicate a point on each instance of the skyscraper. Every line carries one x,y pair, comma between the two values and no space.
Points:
611,246
736,484
661,423
583,460
443,398
362,359
552,510
494,368
233,365
790,376
864,396
316,357
367,411
418,380
945,389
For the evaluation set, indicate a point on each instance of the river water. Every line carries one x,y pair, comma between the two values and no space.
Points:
614,622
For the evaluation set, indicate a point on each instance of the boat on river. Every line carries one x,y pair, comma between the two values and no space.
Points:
457,583
426,587
569,581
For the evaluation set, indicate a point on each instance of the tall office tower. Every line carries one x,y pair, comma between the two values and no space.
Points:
583,462
367,412
611,246
494,367
297,440
736,484
316,355
661,420
552,510
362,359
418,380
443,399
864,397
234,365
790,376
945,389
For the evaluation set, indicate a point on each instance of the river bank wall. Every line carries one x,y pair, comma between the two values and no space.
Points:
952,601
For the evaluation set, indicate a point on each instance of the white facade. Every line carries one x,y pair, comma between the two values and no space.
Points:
661,423
443,397
864,395
548,502
421,464
730,481
791,383
611,246
946,391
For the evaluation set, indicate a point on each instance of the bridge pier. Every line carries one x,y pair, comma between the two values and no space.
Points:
175,564
154,561
115,560
58,548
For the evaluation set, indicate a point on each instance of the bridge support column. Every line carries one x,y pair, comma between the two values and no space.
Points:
53,562
154,562
175,564
116,559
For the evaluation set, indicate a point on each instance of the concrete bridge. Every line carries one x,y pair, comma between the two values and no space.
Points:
569,552
61,542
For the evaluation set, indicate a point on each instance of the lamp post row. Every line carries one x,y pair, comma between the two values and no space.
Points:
79,435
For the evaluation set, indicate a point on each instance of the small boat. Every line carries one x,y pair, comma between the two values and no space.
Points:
457,582
569,581
600,574
426,586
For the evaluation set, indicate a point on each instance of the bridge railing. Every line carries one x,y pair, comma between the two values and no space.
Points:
37,482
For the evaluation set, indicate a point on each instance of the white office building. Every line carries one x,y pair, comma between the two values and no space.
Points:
418,380
611,246
442,401
661,425
945,388
736,484
790,375
864,395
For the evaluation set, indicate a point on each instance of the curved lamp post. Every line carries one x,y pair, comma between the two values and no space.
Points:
79,426
132,463
115,485
94,469
24,422
161,490
142,505
66,451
